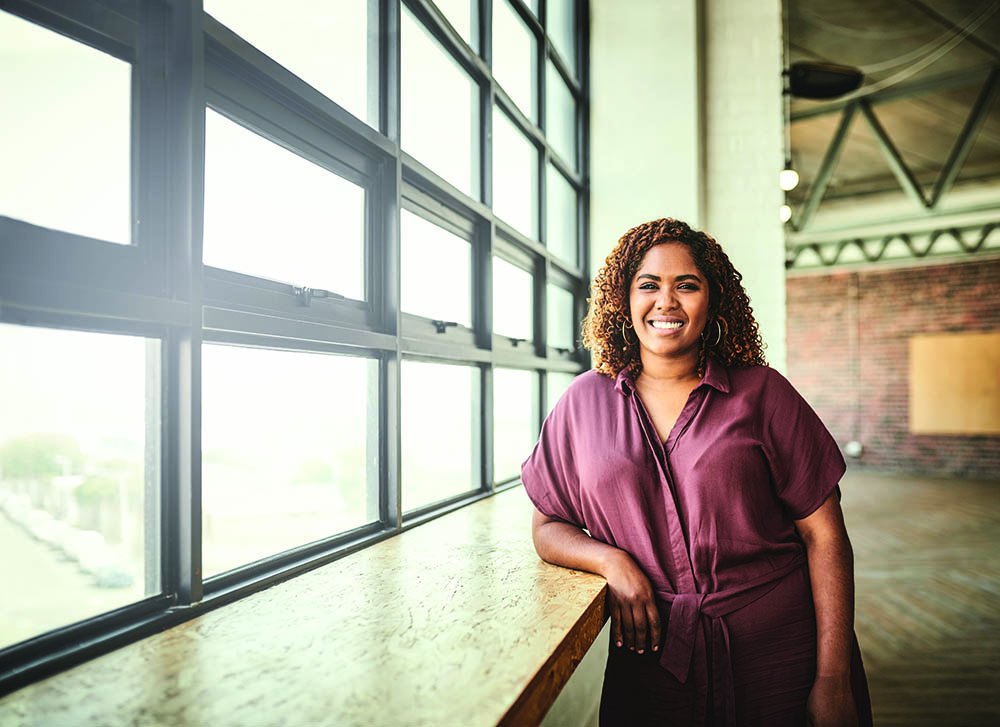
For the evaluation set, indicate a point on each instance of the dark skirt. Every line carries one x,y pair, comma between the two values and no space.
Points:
772,646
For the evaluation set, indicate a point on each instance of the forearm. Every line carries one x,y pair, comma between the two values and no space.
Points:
635,622
561,543
831,570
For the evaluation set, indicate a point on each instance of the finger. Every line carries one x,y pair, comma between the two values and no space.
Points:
628,627
616,624
639,621
653,618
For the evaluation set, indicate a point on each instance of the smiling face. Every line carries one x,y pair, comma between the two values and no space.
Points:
668,301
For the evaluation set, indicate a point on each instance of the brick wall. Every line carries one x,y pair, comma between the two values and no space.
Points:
848,347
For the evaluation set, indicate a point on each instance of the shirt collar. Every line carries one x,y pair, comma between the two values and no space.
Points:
623,383
715,376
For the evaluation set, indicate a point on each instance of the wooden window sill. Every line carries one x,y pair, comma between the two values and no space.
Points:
453,622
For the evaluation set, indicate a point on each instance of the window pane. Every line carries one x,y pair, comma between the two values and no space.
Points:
287,462
560,116
436,275
561,323
515,58
561,229
513,303
556,384
65,146
438,428
462,15
514,428
324,44
439,109
515,176
561,25
79,454
307,226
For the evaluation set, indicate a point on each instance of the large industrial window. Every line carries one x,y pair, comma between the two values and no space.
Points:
278,280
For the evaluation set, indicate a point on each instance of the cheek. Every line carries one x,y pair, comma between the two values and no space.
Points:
703,308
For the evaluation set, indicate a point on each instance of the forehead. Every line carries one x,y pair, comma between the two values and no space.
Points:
668,258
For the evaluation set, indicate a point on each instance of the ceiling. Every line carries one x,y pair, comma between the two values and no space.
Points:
924,128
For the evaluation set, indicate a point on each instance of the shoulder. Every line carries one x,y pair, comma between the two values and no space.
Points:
586,391
587,385
764,384
758,377
590,382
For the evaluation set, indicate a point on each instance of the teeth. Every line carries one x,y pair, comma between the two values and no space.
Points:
666,324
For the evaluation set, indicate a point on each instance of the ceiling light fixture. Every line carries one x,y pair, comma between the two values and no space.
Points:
822,80
785,213
788,178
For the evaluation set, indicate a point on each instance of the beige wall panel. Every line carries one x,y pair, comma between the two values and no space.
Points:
955,384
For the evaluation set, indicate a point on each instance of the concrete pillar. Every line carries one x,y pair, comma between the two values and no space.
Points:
645,120
686,122
744,152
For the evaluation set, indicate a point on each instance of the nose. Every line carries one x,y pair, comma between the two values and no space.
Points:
666,299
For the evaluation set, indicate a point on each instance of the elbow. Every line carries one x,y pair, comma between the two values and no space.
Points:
538,523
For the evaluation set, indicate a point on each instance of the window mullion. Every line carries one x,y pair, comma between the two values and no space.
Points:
388,66
386,266
173,184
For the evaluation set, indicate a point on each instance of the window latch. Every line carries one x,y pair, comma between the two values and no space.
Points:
514,341
305,295
442,326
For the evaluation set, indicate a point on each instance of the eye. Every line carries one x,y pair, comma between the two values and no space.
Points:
647,286
688,286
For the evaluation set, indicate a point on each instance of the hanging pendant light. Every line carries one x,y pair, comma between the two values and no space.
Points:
788,178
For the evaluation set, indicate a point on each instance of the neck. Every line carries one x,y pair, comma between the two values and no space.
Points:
666,372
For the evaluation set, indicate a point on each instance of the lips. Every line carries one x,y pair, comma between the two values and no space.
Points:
666,324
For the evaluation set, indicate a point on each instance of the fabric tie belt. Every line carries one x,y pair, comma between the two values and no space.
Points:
684,646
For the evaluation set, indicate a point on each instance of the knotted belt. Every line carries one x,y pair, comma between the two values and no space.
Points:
684,646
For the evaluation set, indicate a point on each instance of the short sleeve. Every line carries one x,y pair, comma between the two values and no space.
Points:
549,476
806,463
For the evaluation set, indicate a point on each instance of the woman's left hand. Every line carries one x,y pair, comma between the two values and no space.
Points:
831,703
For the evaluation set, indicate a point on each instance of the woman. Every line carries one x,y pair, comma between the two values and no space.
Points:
710,492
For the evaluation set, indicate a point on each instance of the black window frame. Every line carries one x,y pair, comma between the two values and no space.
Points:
183,62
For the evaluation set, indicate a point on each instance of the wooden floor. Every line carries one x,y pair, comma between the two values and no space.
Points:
927,563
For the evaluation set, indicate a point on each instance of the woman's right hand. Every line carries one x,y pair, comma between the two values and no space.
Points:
635,620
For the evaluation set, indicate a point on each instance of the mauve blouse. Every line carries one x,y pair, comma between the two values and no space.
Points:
708,515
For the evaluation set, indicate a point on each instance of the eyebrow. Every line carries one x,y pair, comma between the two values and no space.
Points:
678,279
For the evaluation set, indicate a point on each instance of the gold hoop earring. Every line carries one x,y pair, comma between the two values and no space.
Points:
718,338
625,335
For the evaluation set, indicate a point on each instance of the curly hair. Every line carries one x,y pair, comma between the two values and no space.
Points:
739,343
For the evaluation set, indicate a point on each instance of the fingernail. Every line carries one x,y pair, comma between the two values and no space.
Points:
618,643
656,648
640,651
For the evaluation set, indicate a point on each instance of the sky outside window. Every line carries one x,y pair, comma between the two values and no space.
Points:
436,265
438,423
513,304
325,44
65,109
275,215
513,421
285,457
439,116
